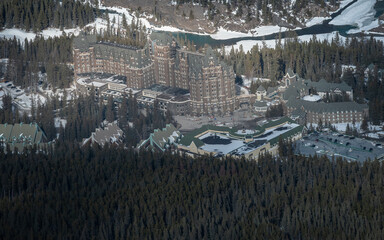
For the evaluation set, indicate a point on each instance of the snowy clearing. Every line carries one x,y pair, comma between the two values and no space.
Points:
248,44
49,32
315,20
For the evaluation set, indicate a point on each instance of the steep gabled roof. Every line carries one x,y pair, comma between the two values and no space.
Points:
261,89
110,134
161,137
290,73
20,132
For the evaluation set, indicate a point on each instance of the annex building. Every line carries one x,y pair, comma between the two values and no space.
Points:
304,100
161,139
248,143
21,135
209,81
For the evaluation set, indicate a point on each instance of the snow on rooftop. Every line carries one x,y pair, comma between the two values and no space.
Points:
312,98
88,82
245,132
275,132
221,148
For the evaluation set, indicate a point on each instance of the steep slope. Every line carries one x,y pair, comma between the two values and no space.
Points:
236,15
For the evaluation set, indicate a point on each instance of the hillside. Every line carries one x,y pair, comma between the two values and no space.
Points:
239,15
112,193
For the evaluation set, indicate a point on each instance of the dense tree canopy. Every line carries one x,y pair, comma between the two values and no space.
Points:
316,60
114,193
37,15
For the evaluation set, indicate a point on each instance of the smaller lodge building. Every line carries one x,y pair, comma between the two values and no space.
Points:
224,141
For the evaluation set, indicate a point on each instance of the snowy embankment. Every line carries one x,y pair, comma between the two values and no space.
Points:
22,34
248,44
360,14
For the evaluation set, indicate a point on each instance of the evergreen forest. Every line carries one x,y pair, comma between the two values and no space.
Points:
37,15
116,193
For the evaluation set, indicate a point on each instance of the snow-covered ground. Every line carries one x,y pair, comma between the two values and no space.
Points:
249,44
341,127
247,81
360,14
19,34
60,122
222,33
22,34
315,20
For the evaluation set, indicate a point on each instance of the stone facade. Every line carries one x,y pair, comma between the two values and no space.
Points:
161,61
338,112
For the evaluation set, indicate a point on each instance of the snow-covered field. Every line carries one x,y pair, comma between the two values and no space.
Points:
360,14
341,127
22,34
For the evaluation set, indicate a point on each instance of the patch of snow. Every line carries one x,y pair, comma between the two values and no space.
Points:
2,93
292,3
244,91
245,132
60,122
316,20
18,33
247,81
312,98
341,127
373,135
221,148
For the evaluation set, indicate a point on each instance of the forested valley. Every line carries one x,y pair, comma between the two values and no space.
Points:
116,193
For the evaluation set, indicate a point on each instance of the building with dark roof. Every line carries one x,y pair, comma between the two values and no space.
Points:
92,56
110,134
336,112
248,143
161,139
300,87
313,110
21,135
209,80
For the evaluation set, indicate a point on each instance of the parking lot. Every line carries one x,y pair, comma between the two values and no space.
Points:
339,145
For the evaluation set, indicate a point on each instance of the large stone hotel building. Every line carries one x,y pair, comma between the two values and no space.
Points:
209,81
